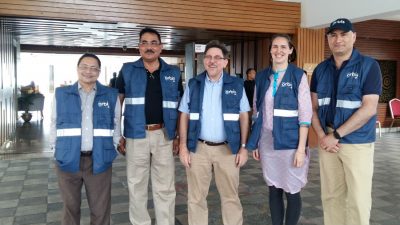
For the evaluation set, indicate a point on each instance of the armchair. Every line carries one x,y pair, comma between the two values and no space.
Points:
394,106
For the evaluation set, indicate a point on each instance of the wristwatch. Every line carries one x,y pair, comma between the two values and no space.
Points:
337,135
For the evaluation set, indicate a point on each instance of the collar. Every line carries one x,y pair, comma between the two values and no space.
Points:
94,87
215,82
354,58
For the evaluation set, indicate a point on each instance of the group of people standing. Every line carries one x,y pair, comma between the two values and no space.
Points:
207,125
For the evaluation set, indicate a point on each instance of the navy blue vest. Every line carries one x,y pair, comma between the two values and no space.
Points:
232,91
135,78
349,95
286,122
69,124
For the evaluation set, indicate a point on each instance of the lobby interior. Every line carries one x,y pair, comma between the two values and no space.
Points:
28,184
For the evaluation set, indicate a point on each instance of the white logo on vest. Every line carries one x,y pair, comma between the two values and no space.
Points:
287,84
103,104
170,78
352,75
230,92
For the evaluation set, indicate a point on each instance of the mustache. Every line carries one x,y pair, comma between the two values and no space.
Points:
149,51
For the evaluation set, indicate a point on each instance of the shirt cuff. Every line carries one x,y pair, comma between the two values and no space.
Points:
304,124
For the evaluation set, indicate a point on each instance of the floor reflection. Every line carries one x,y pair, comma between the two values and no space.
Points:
29,137
29,133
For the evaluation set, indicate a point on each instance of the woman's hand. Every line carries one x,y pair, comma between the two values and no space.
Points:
299,158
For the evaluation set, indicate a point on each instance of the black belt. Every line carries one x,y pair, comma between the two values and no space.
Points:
86,153
213,143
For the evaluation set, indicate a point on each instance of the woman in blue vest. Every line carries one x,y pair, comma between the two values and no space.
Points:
279,134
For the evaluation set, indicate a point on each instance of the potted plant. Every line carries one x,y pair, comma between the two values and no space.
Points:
23,103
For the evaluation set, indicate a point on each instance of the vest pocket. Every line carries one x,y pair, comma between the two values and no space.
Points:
109,152
290,128
104,120
173,114
63,153
349,89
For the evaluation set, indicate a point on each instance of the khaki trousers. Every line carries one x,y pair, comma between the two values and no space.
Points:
199,175
151,156
346,184
98,193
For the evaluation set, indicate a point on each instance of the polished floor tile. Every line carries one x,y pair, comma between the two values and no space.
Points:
29,190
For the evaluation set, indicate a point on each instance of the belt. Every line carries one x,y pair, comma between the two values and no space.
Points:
154,126
213,143
86,153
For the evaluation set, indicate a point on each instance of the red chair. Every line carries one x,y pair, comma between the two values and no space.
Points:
394,106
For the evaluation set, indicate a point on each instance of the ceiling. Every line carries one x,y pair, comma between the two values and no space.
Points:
111,35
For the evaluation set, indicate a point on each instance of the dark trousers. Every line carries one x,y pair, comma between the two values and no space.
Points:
98,193
277,207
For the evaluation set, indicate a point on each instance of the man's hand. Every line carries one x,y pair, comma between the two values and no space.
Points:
121,146
184,156
256,155
241,157
330,144
175,146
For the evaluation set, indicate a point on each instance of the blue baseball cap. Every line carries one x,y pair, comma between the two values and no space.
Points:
340,24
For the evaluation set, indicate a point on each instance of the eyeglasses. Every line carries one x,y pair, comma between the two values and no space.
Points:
91,69
215,58
151,44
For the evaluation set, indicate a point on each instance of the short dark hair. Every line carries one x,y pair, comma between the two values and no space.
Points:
249,69
217,44
293,56
89,55
149,30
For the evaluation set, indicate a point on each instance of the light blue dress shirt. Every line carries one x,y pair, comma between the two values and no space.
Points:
212,122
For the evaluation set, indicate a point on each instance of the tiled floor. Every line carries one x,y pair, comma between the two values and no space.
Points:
29,192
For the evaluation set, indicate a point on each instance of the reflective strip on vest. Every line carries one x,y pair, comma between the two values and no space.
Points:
194,116
348,104
231,116
102,133
324,101
170,104
68,132
134,101
286,113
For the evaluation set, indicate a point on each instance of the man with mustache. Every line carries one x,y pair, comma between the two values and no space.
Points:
151,90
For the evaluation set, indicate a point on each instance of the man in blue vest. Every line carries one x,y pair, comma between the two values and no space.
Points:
85,131
213,132
345,90
151,90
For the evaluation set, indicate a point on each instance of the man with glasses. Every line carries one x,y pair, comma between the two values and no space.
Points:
213,132
85,131
151,90
345,90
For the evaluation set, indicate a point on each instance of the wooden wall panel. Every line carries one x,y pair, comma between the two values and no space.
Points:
381,29
250,54
265,16
310,51
310,46
7,84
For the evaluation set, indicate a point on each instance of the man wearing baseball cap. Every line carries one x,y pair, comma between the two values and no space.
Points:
345,90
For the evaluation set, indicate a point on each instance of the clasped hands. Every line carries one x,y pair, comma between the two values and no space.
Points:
329,143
